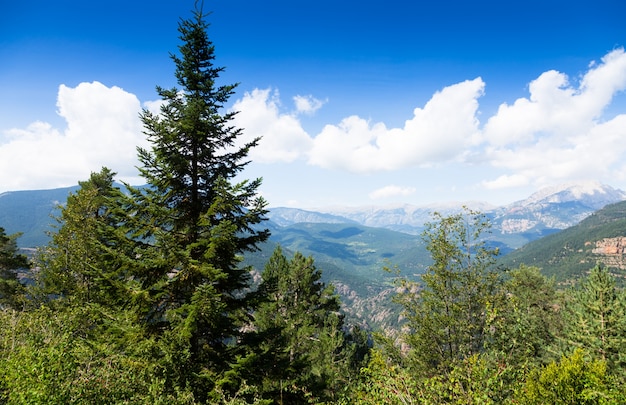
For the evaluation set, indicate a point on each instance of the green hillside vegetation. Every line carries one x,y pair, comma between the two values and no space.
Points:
356,250
353,257
567,254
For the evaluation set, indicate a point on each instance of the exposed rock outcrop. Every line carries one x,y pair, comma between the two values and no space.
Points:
612,251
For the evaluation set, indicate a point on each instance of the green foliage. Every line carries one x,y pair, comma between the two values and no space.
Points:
595,319
474,380
304,354
82,263
383,382
524,319
572,381
11,290
81,355
477,379
472,333
447,316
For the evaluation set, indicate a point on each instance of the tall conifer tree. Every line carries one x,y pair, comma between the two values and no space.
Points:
193,221
82,263
306,353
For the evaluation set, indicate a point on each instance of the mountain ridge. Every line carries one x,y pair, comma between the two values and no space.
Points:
599,238
543,212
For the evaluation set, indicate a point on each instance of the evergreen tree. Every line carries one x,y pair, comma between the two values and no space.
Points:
82,263
306,354
595,319
11,290
447,315
192,222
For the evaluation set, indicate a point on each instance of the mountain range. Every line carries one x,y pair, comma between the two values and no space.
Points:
352,246
513,225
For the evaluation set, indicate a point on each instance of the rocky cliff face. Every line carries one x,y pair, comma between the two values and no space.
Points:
611,251
555,208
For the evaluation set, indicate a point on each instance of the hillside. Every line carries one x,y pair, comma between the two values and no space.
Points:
545,212
571,252
352,257
31,213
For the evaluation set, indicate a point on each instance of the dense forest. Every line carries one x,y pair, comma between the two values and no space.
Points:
142,297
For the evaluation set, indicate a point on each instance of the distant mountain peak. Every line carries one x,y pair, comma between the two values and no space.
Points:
593,193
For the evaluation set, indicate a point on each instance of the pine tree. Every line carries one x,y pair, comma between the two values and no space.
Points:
308,354
595,319
82,263
11,289
192,222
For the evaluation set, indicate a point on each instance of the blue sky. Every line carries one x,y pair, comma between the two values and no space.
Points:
358,103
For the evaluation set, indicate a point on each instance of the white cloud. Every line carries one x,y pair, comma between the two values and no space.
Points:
392,191
282,137
441,131
559,133
307,104
103,129
506,181
154,106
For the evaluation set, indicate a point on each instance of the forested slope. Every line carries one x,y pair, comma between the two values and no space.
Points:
568,254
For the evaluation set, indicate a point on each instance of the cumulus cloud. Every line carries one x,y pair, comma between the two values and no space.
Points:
559,132
103,129
307,104
392,191
282,137
439,132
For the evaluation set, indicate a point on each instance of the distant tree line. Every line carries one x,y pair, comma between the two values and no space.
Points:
141,296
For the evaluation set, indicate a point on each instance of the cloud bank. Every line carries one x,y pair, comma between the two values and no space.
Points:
102,129
559,132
